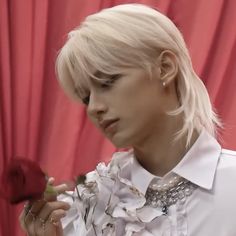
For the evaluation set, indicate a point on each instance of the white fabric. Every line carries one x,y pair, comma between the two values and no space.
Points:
209,211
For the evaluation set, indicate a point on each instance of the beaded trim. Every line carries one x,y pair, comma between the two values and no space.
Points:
163,196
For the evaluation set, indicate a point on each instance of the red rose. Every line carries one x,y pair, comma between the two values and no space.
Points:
22,180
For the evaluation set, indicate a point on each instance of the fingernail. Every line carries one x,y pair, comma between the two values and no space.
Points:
51,180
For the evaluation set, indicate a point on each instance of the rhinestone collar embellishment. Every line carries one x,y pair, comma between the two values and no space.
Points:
167,194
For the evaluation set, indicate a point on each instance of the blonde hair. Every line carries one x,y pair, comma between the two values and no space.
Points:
133,35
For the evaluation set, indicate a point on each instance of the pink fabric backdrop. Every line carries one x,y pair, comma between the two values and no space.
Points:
39,122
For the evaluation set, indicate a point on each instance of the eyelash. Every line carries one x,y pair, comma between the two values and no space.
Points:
105,85
85,100
110,81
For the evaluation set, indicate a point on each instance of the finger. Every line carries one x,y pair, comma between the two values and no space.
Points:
56,216
53,230
37,205
27,222
31,215
52,226
49,207
51,180
37,221
23,214
51,213
55,191
45,228
22,220
59,230
64,187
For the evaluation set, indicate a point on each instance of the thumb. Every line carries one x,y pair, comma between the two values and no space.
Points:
53,191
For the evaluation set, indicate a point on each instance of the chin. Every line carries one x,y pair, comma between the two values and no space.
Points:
120,142
121,146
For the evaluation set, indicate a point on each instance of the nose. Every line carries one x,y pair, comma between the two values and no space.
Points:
96,106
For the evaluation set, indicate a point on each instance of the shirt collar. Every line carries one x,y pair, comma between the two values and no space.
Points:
200,162
140,177
198,165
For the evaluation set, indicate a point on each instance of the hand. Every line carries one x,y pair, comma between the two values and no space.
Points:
42,217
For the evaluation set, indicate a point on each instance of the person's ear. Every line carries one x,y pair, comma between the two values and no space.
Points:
168,67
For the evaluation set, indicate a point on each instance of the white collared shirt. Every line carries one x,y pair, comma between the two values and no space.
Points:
211,208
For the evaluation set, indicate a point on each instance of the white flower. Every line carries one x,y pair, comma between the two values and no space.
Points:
110,205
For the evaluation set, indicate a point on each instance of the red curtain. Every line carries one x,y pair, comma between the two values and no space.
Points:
39,122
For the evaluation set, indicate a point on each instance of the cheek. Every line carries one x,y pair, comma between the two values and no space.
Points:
146,116
89,117
143,106
92,120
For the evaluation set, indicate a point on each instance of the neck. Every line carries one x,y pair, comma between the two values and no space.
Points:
159,154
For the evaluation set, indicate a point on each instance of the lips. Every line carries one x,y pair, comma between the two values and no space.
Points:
104,124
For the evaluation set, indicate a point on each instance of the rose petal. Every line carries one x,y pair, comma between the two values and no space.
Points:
22,180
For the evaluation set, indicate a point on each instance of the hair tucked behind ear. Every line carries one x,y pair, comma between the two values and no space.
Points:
133,35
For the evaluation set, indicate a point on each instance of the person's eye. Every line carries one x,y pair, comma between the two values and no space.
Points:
115,77
110,81
85,100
